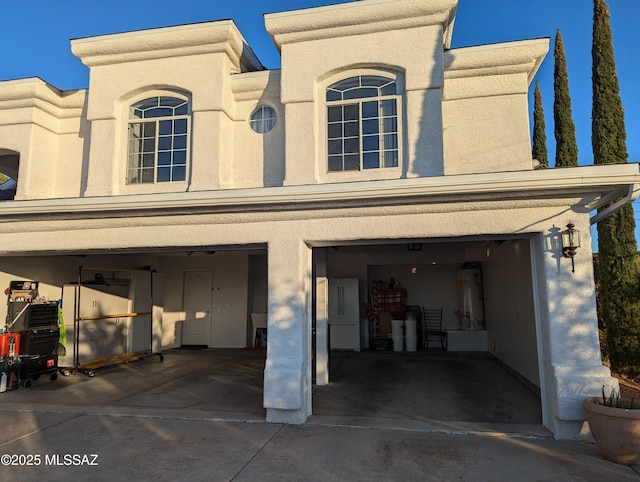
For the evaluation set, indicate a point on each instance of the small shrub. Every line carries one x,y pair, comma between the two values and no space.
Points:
614,401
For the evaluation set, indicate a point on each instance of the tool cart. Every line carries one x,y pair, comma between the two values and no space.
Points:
36,321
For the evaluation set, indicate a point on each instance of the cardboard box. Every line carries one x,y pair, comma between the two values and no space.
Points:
384,324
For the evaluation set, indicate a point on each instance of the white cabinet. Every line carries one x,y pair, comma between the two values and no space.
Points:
100,337
344,314
344,300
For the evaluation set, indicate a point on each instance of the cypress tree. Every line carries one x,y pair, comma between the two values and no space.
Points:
617,246
565,129
539,148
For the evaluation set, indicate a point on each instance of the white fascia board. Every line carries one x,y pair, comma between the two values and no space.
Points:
601,179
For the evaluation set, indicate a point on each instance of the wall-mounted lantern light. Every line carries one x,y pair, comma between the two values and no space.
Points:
570,242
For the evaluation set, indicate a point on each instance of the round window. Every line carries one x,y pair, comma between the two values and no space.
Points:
263,119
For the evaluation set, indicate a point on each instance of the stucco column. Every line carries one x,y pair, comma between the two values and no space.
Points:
300,145
424,145
287,374
101,177
205,167
571,362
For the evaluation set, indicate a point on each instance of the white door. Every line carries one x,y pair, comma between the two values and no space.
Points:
197,307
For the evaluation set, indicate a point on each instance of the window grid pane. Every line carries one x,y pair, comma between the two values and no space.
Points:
361,86
343,142
371,122
158,146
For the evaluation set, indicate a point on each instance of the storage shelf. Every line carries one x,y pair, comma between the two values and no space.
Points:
119,315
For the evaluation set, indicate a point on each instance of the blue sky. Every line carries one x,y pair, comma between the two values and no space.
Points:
34,42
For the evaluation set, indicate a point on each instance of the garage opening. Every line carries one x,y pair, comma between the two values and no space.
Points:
372,301
202,297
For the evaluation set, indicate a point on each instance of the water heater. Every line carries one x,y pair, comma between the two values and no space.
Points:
470,301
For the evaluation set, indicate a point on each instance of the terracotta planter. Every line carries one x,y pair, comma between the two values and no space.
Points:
615,430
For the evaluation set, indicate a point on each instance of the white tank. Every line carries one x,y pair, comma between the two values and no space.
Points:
470,302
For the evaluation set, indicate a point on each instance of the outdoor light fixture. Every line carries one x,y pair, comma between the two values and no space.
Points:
570,242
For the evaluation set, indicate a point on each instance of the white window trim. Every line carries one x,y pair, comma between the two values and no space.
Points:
253,109
322,168
123,159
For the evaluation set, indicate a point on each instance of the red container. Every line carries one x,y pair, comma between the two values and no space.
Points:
9,344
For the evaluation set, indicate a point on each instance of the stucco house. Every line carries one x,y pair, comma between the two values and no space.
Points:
376,151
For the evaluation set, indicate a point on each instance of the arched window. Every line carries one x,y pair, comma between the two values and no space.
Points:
158,140
362,124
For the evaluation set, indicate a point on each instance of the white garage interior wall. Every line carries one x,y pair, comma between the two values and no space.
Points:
509,307
238,287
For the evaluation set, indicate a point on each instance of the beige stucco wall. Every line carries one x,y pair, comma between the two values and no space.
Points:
258,159
196,61
46,128
460,111
204,79
485,106
414,55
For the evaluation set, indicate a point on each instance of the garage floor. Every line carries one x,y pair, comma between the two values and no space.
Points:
423,390
432,390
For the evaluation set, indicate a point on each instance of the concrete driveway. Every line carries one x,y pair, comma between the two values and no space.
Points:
198,416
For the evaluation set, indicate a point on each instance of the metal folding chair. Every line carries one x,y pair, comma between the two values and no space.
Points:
432,327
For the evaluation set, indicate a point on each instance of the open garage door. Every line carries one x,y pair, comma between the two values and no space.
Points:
487,372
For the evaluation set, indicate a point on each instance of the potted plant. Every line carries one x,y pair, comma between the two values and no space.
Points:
615,425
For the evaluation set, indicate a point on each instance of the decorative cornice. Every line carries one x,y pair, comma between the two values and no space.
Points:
523,56
34,92
202,38
355,18
250,85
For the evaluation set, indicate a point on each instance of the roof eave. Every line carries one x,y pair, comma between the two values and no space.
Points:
603,180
